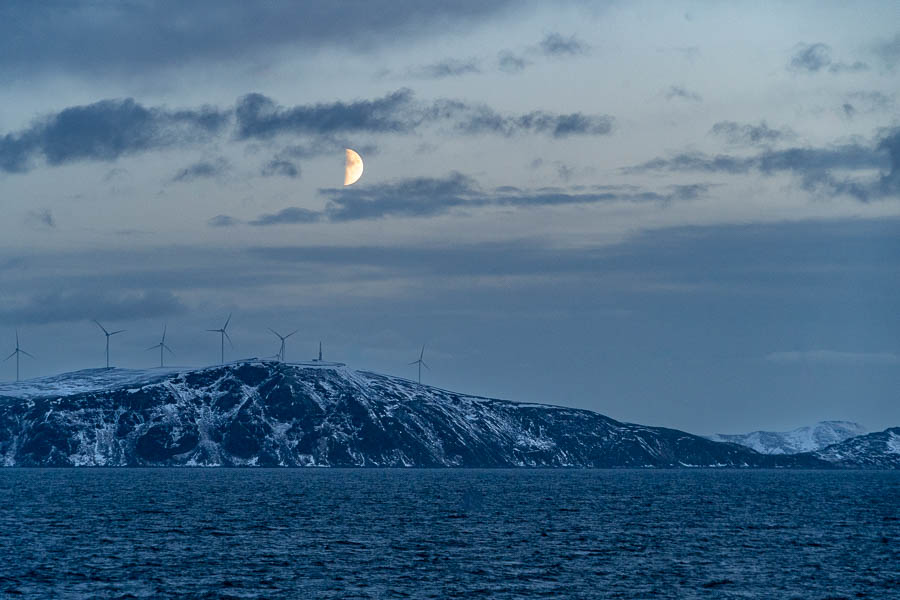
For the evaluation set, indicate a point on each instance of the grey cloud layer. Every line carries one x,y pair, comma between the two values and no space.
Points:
677,92
100,39
110,129
450,67
281,167
889,51
750,135
202,170
106,130
812,58
259,117
429,197
816,166
556,44
787,258
55,307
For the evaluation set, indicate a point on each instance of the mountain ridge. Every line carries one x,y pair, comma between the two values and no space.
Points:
264,413
801,439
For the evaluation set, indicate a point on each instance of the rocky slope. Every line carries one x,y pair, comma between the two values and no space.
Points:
802,439
880,450
271,414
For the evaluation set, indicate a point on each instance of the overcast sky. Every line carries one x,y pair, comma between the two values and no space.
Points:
678,214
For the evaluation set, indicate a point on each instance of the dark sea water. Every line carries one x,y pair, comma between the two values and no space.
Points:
304,533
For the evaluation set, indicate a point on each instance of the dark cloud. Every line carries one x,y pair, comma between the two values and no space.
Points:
509,62
472,119
261,118
849,156
202,170
750,135
417,197
55,307
889,51
105,131
282,167
811,57
322,145
769,161
696,161
680,93
564,171
429,197
816,57
292,215
817,167
222,221
555,44
42,219
868,102
854,67
99,39
110,129
450,67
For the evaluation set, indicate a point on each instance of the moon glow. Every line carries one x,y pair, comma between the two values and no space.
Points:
353,167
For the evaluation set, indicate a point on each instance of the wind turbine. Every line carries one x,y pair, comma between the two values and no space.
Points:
320,354
282,338
162,346
108,335
224,334
16,353
421,363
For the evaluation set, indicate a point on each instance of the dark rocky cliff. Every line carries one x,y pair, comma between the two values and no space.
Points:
273,414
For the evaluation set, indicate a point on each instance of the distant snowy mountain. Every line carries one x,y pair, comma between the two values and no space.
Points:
320,414
880,450
802,439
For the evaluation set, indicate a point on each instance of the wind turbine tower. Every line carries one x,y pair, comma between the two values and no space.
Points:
16,353
282,338
224,334
108,335
162,346
421,363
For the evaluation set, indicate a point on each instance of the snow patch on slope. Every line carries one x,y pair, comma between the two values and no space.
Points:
802,439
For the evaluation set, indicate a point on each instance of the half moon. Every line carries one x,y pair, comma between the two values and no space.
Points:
353,167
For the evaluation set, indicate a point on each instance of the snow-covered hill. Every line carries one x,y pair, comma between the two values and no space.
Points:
879,450
802,439
87,380
269,413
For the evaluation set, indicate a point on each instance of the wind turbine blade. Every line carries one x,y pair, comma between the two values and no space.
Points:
426,366
215,330
166,326
17,338
152,348
228,337
422,353
415,362
101,326
169,349
26,354
291,333
275,332
11,355
119,331
227,321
